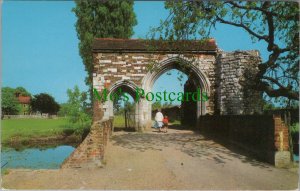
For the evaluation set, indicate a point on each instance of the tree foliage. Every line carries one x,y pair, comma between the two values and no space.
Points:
76,108
167,104
156,105
9,102
129,106
123,104
101,19
63,110
22,91
44,103
276,23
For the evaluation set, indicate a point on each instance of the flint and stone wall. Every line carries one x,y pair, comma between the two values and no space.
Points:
227,73
113,68
235,76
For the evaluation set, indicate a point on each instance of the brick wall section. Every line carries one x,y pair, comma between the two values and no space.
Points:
91,151
97,112
265,136
112,67
281,134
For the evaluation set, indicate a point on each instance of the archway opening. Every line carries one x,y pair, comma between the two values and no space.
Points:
124,113
169,84
184,89
123,106
197,78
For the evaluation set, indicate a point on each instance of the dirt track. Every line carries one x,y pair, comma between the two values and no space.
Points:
179,159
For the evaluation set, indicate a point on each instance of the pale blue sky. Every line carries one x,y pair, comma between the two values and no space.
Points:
40,46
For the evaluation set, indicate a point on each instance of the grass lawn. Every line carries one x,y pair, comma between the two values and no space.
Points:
176,122
29,128
119,121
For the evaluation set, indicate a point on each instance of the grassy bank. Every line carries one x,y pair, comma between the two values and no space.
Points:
26,131
119,121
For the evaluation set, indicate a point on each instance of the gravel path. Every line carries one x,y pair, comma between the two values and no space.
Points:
180,159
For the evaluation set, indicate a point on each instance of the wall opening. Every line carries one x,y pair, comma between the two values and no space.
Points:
124,113
124,106
172,82
191,80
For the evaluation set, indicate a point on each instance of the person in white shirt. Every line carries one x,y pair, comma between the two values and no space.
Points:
159,119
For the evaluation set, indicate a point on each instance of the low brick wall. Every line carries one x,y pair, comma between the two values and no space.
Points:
265,136
90,152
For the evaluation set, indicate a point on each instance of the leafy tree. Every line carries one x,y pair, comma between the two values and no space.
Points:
101,19
44,103
9,103
156,105
129,106
76,107
267,105
117,104
120,102
22,91
276,23
63,110
167,104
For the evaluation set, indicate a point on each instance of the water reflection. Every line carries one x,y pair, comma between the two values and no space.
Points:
35,158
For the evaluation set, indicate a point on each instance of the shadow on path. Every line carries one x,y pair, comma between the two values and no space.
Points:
190,142
117,129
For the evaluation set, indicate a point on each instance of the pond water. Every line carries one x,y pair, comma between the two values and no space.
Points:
35,158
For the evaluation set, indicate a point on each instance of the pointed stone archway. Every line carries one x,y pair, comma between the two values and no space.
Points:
194,72
127,87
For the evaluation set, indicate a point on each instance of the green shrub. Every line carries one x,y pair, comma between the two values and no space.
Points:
294,128
68,131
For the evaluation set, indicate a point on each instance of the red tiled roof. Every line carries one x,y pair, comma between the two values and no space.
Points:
24,99
142,45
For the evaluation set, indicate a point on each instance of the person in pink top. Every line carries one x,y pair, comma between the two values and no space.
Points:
165,123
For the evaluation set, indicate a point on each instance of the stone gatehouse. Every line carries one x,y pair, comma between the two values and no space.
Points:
225,76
